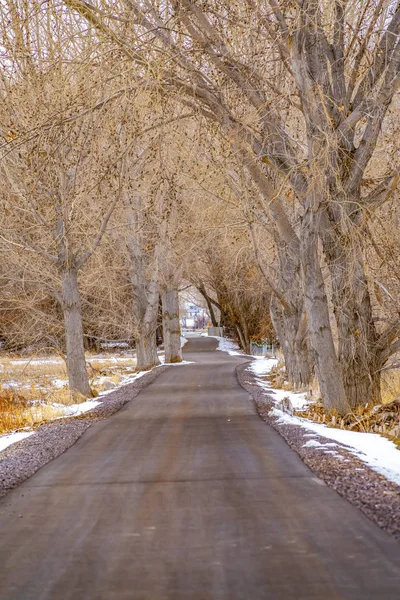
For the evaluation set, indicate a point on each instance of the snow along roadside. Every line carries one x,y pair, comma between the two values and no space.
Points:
11,438
377,452
339,465
227,345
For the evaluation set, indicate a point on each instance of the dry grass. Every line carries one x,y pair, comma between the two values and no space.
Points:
30,387
383,419
17,413
23,371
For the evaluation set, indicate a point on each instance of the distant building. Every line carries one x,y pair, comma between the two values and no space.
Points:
193,317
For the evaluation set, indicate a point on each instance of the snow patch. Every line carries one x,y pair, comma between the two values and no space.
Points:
59,383
114,345
12,438
36,361
127,379
226,345
379,453
183,362
262,366
76,409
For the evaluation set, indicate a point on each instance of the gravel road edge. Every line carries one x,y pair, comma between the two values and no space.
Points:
373,494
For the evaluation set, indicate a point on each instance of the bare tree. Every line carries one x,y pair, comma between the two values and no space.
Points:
293,88
54,175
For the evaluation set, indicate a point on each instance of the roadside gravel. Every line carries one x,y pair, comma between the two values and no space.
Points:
375,496
22,459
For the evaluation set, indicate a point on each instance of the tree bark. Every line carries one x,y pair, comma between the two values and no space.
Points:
76,363
291,330
316,305
357,337
171,327
146,342
146,351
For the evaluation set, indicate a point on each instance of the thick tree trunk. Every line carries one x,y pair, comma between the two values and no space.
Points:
146,343
146,309
304,359
292,334
171,327
357,337
76,363
289,320
316,305
146,351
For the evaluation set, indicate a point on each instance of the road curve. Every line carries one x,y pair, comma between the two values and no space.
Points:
185,494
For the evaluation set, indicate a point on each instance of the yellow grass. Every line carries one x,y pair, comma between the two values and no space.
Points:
383,420
22,370
17,413
28,393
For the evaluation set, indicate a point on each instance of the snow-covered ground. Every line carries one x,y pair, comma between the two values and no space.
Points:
227,345
377,452
12,438
73,410
262,366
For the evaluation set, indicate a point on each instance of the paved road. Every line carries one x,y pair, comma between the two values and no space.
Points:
185,494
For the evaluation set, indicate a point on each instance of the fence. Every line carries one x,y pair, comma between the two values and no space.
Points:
264,348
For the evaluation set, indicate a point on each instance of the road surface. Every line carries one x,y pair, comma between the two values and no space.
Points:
186,494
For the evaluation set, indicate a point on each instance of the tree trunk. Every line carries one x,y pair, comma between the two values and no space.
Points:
146,309
242,341
245,332
210,307
211,312
292,334
357,336
289,320
76,363
146,351
319,327
304,359
171,327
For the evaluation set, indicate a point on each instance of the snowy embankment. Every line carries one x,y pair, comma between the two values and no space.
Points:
379,453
